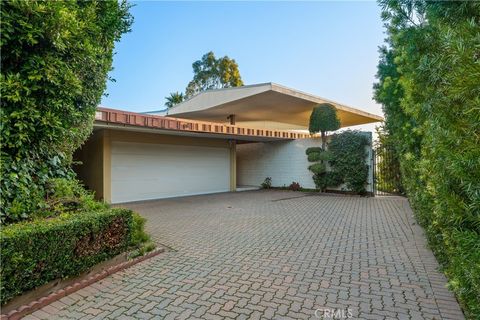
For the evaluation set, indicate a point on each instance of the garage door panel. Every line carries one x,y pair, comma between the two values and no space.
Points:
152,171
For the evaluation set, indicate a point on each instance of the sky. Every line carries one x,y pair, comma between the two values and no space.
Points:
329,49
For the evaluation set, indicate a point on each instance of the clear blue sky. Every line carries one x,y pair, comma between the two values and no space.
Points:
325,48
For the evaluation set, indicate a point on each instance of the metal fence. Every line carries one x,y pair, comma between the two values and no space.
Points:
386,173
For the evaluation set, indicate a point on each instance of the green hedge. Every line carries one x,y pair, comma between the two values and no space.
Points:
36,252
346,157
428,85
348,160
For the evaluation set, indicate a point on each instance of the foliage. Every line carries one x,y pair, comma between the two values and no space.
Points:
55,59
323,156
327,179
313,156
213,73
174,98
429,88
318,168
345,159
139,235
321,177
36,252
67,195
348,154
295,186
313,150
323,118
267,183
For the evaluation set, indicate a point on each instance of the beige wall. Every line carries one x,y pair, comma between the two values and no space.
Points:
90,171
95,155
285,162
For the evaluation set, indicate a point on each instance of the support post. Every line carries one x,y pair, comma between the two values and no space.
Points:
107,166
232,119
233,164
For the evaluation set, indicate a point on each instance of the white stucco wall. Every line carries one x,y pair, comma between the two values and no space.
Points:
283,161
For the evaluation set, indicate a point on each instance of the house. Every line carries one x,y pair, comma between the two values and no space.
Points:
213,142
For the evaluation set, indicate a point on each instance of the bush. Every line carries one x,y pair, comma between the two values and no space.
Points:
317,168
39,251
313,156
295,186
313,150
67,195
327,179
323,118
267,183
348,159
56,56
428,88
319,156
346,155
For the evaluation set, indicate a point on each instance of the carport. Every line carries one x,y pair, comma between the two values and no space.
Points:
132,157
142,156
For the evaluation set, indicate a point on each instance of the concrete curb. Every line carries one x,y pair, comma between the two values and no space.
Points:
46,300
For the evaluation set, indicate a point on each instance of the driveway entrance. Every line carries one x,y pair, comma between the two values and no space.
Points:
274,254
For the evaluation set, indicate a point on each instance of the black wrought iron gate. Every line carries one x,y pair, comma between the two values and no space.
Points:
386,173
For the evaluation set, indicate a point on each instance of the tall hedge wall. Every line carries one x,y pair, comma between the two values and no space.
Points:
430,91
55,60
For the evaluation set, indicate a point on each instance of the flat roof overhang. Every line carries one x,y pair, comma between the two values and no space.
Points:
139,122
267,102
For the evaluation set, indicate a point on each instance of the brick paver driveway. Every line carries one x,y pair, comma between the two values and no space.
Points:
274,254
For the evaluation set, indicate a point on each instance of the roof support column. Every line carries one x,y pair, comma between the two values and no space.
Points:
232,119
233,164
107,166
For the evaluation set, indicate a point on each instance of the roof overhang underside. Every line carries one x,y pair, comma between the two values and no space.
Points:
264,103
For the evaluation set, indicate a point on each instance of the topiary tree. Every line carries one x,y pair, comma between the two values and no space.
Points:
345,159
323,118
55,59
320,158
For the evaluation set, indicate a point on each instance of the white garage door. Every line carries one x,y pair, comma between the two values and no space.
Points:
142,171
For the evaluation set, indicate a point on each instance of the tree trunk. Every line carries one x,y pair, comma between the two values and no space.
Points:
323,140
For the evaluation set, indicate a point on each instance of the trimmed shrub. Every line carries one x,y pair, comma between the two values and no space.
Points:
323,118
313,156
325,156
319,156
313,150
327,179
42,250
317,168
348,159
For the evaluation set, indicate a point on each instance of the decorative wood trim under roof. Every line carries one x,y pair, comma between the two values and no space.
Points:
113,116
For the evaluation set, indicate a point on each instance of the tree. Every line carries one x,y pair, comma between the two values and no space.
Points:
174,99
55,59
323,118
212,73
